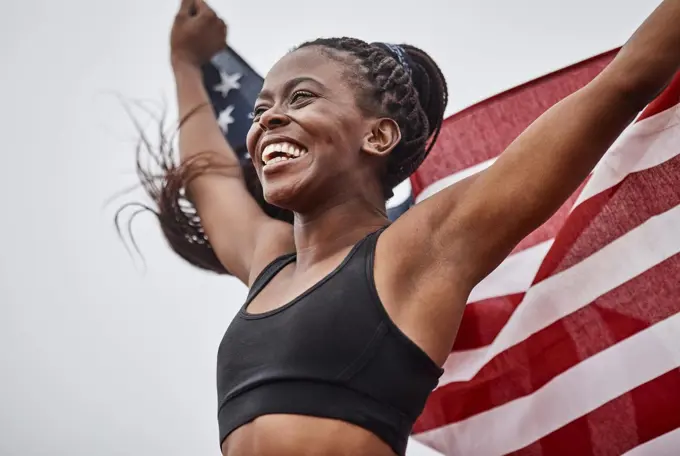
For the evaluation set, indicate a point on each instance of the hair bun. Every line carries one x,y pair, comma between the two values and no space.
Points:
430,83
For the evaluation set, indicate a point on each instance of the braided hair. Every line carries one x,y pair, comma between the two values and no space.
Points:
401,82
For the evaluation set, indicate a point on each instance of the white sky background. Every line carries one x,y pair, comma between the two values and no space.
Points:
96,357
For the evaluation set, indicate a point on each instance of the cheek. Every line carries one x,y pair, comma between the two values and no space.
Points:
337,131
252,137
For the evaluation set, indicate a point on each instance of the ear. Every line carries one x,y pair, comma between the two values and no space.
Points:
383,136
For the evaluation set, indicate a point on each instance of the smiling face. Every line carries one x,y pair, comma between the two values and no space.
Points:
309,136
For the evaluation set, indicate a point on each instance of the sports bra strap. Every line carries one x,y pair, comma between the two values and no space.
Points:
269,272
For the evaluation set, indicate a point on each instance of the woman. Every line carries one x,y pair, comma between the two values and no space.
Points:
349,318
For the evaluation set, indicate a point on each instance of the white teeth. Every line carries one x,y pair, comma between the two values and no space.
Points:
290,150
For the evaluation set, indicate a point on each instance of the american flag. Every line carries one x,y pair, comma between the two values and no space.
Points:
572,345
233,85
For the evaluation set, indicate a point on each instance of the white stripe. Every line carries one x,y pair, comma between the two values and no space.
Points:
664,445
401,194
578,391
658,136
415,448
451,179
514,275
567,291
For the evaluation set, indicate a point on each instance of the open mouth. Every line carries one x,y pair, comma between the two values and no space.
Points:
281,152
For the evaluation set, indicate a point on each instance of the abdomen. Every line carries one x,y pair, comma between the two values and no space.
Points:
296,435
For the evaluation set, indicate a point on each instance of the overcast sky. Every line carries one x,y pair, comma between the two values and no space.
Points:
98,357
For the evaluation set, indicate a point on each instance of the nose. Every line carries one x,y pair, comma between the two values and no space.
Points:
273,118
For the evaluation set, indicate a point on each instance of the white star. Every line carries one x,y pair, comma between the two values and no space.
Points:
225,119
227,83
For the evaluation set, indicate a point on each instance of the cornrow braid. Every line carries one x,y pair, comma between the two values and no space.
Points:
410,89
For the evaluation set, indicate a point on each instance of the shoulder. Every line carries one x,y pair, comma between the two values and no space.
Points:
422,243
422,289
275,239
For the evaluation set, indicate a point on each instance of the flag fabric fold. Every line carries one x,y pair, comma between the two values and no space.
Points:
572,345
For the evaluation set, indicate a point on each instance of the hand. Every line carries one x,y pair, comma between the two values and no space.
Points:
197,33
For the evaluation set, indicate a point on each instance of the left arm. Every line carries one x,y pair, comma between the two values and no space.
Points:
547,163
441,248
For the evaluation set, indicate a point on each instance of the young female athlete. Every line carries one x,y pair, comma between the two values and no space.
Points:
349,317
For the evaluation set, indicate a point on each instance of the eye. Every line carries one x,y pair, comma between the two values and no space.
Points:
301,96
257,112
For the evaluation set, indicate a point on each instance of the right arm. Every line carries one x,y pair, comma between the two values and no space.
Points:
242,236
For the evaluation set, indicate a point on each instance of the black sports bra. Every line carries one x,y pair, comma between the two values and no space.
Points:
332,352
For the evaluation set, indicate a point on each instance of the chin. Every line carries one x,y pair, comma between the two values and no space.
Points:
293,189
286,195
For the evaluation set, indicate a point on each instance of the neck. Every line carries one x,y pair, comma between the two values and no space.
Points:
334,227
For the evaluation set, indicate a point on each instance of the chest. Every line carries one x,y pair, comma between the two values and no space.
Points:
319,332
289,285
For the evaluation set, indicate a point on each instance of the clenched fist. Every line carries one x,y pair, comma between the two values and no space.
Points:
197,33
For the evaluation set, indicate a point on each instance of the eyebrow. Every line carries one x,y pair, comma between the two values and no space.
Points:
289,85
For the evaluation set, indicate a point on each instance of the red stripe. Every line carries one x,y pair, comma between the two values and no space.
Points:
642,414
483,131
575,439
483,320
529,365
611,214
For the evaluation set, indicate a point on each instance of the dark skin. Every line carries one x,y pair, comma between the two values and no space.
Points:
333,189
429,260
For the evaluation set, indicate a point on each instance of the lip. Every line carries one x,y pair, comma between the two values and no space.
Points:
277,139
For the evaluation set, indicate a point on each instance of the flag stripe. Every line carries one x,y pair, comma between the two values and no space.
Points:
592,225
451,179
628,422
564,293
494,299
483,320
518,423
664,445
514,275
643,145
523,369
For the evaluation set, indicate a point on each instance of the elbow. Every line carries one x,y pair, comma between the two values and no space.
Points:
637,93
635,82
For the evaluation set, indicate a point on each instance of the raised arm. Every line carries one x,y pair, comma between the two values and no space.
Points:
473,232
243,237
